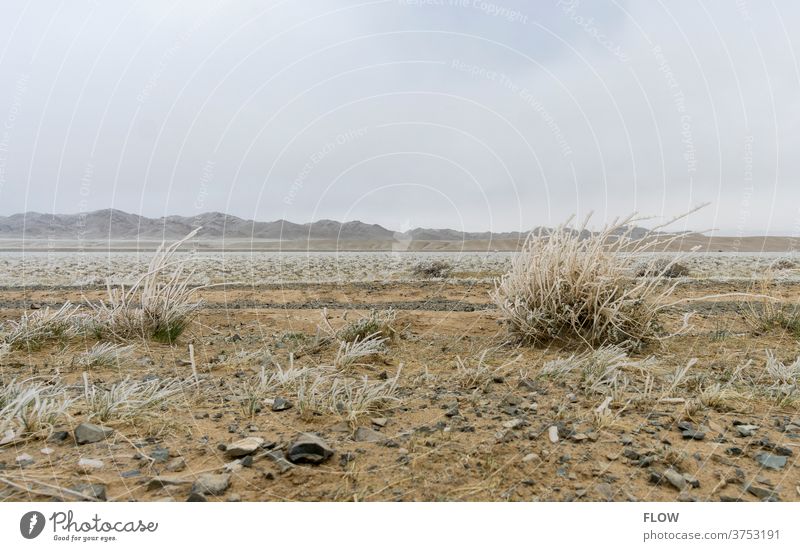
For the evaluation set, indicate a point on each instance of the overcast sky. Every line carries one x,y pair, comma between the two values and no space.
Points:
471,114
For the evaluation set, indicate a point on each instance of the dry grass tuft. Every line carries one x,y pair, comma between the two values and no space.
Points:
128,399
34,329
432,269
32,407
158,306
576,285
105,354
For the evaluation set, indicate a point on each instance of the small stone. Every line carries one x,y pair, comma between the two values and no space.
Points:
674,478
158,482
280,459
513,423
91,491
213,484
452,412
364,434
234,498
131,474
233,467
605,490
176,465
379,421
579,437
746,430
243,447
281,404
692,434
759,492
309,448
88,433
159,455
552,434
771,461
194,497
530,457
58,437
87,465
23,460
8,437
631,454
46,451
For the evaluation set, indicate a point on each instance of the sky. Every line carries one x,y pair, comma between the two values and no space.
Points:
494,115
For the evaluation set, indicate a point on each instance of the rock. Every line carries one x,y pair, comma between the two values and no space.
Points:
691,434
759,492
233,467
364,434
46,451
771,461
58,437
281,404
23,460
379,421
196,498
578,437
130,474
631,454
211,484
176,465
674,478
309,448
91,491
234,498
8,437
513,423
746,430
605,490
552,434
160,455
530,457
88,433
87,465
158,482
280,459
243,447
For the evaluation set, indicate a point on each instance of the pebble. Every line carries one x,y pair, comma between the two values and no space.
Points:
513,423
176,465
530,457
243,447
746,430
309,448
281,404
211,484
88,433
91,491
379,421
771,461
46,451
23,460
364,434
674,478
87,465
552,434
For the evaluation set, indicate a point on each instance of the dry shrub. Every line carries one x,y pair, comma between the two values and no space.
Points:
576,285
431,269
34,329
662,267
159,305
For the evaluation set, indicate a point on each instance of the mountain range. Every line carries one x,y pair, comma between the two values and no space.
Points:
112,224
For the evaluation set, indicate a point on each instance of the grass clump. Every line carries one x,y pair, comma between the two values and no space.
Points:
575,285
158,306
128,399
432,269
104,354
32,407
662,267
34,329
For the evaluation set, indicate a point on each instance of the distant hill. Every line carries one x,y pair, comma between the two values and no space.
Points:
113,224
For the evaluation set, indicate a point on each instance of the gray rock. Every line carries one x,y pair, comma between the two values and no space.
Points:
364,434
211,484
88,433
280,460
243,447
23,460
176,465
281,404
379,421
158,482
160,455
309,448
691,434
87,465
91,491
676,479
759,492
605,490
771,461
552,434
746,430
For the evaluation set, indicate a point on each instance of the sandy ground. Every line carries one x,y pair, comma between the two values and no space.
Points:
517,435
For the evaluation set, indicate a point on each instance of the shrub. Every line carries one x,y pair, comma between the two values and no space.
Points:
662,267
432,269
575,285
34,329
159,305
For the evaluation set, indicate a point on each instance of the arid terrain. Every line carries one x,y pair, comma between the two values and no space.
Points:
443,404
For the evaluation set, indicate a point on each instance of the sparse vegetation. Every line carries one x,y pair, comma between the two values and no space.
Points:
32,407
104,354
662,267
128,399
158,306
35,328
432,269
574,285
